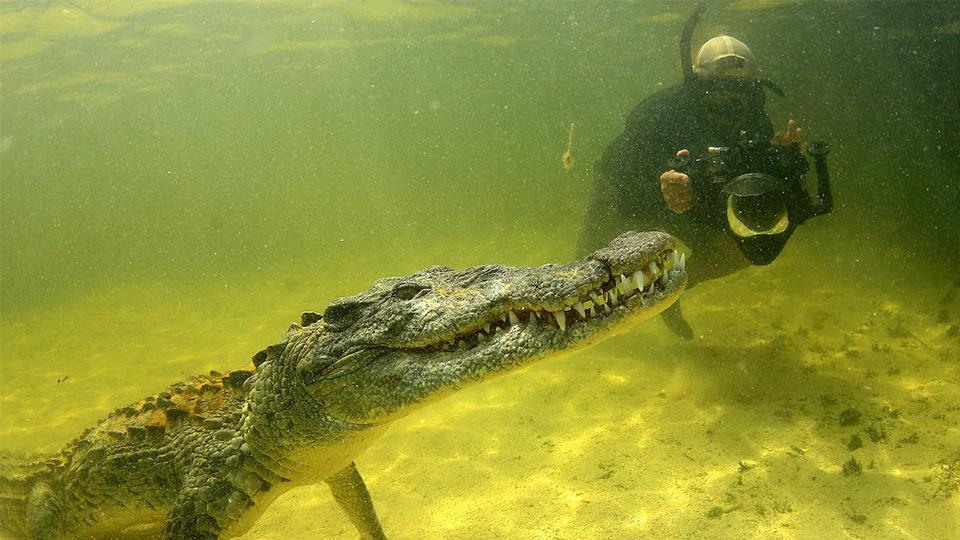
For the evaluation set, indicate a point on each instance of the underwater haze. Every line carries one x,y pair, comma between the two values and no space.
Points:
180,179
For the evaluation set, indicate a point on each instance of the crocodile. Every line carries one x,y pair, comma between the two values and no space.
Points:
204,458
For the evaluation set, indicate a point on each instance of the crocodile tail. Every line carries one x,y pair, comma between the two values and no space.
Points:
19,475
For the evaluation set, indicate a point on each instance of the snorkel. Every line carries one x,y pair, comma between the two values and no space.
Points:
686,54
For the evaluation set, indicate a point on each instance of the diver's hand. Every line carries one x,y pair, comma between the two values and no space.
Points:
676,188
788,137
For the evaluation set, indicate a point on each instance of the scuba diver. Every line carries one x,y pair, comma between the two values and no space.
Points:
700,160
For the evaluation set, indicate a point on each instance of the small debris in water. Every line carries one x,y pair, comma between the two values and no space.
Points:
852,468
857,517
568,155
854,443
912,439
875,434
850,417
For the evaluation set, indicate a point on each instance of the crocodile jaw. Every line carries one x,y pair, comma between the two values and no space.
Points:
382,382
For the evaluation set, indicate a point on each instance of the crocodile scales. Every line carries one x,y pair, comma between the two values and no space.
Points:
205,457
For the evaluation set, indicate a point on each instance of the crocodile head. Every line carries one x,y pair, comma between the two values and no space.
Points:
410,340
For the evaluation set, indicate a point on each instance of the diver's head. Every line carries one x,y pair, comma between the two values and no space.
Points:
727,72
725,57
757,216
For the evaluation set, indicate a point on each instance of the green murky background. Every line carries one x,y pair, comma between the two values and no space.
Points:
180,178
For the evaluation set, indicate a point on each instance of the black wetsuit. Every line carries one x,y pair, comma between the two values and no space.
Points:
626,191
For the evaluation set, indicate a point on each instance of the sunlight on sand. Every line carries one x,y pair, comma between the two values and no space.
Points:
57,20
108,81
754,5
23,49
394,10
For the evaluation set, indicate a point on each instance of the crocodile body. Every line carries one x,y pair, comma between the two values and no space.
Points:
205,457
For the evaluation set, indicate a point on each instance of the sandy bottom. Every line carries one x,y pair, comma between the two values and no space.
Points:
825,410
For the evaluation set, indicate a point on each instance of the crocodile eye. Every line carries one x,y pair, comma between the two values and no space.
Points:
409,291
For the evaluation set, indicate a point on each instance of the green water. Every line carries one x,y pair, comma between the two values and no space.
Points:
180,179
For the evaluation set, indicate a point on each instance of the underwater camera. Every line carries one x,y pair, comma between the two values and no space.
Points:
754,191
755,205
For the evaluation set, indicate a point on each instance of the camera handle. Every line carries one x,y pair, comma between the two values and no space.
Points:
818,150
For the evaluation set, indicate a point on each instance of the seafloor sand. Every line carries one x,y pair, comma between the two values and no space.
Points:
815,403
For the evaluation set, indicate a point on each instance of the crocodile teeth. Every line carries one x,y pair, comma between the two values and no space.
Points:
626,285
595,298
561,320
639,278
642,283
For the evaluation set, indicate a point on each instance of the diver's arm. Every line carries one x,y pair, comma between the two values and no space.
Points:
614,171
632,165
